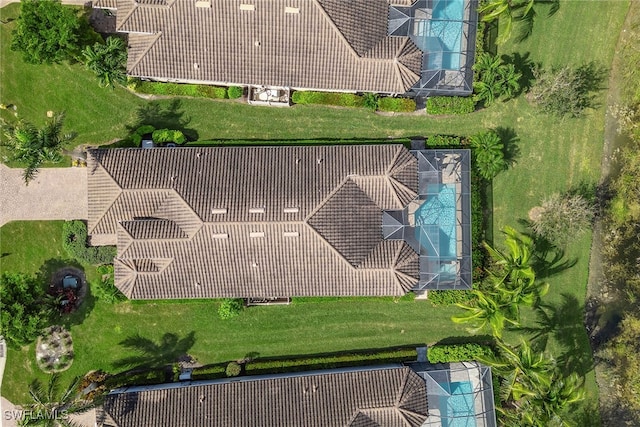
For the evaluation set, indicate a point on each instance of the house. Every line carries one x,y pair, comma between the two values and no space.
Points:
282,221
421,47
390,396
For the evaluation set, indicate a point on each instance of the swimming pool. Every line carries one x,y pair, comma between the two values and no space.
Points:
441,35
436,221
457,410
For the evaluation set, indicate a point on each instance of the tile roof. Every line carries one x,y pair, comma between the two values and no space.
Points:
390,397
253,221
326,44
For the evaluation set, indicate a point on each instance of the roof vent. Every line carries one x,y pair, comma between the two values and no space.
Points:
219,211
201,398
257,43
254,264
291,234
248,7
290,9
220,236
203,3
256,210
256,234
319,160
294,209
196,66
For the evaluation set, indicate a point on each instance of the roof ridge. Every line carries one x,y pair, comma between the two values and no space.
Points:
145,51
335,27
403,190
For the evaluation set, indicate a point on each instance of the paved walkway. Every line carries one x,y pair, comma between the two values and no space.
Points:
55,193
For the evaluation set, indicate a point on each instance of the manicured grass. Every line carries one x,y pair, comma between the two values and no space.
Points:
552,155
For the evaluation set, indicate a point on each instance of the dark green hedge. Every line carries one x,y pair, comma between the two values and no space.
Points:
74,241
180,89
333,361
209,372
450,105
235,92
148,377
449,297
443,353
398,105
328,98
446,141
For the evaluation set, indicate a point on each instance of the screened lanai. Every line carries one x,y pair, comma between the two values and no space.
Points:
445,32
437,224
459,396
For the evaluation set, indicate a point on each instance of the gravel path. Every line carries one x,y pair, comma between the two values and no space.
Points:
55,193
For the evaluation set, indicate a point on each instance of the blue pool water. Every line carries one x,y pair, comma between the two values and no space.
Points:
458,407
436,222
442,34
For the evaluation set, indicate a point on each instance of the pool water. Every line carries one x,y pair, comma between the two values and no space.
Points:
441,35
458,407
436,221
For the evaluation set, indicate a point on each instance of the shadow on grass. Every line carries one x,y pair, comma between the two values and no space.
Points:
509,140
564,321
45,276
523,65
151,354
524,24
170,116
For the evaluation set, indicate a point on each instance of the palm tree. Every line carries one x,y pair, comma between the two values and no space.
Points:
35,146
488,154
516,262
494,79
108,61
488,311
548,405
507,12
49,408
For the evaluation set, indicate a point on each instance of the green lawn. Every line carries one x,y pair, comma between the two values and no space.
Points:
552,155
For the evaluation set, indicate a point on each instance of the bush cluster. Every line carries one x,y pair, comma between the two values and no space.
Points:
179,89
168,135
74,241
230,307
105,289
233,369
444,353
398,105
449,297
328,98
450,105
446,141
328,362
209,372
235,92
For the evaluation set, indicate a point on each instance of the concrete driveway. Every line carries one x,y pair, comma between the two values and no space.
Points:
55,193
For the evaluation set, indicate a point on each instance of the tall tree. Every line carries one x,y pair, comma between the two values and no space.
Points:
46,32
49,408
488,310
108,61
35,146
510,12
488,153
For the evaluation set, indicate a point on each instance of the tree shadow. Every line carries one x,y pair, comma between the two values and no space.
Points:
523,65
151,354
565,322
164,115
548,259
509,140
5,254
525,23
45,276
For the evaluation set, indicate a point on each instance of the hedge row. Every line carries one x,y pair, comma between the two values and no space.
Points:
209,372
148,377
74,240
398,105
444,353
180,89
450,105
328,98
328,362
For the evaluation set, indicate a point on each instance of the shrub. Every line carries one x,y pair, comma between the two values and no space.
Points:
444,353
230,307
446,141
449,297
494,79
168,135
180,89
328,98
144,129
209,372
233,369
370,101
149,377
235,92
332,361
105,289
562,217
450,105
74,241
399,105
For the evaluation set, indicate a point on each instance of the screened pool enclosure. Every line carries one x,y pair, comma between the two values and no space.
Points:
445,32
437,224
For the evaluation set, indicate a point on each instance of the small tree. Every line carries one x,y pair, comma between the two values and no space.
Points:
108,61
565,91
488,153
24,309
233,369
46,32
371,101
562,217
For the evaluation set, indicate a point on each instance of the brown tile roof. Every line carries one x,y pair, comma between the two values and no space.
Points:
327,44
390,397
253,221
